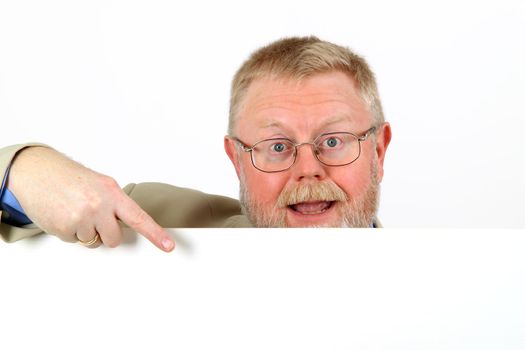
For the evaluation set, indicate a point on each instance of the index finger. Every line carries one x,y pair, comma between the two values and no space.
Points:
135,217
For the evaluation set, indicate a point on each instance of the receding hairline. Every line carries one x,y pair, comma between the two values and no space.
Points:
298,80
298,58
271,99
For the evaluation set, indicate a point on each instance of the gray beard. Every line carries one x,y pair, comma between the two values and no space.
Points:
354,211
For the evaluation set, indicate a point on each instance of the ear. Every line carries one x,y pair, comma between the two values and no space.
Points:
384,135
231,151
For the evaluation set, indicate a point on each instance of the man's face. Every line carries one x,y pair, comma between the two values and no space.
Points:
308,194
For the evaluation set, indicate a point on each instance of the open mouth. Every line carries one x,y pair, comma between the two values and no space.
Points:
311,208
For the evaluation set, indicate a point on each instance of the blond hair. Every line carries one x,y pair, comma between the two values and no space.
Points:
302,57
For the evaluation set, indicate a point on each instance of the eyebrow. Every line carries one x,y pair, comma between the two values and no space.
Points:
278,124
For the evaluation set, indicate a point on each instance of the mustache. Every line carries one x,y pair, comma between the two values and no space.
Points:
309,192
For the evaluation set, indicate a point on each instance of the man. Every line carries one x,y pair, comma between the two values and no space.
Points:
306,136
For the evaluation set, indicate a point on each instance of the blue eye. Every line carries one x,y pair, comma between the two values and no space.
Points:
278,147
332,142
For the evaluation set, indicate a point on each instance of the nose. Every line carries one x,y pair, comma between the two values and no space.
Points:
307,167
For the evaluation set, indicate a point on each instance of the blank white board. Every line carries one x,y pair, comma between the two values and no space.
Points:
269,289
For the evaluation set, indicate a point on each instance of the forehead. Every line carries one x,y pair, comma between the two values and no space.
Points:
302,105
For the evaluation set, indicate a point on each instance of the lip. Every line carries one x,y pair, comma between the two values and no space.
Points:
296,219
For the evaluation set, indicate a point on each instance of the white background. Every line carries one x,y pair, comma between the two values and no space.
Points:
139,90
270,289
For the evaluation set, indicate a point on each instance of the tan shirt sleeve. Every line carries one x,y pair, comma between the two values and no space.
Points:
172,206
7,232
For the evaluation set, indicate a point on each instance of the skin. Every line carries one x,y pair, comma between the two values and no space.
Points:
300,111
74,203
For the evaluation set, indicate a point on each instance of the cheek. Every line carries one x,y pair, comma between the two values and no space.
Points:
354,179
265,187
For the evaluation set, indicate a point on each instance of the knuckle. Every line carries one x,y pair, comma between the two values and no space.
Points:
70,238
112,244
140,218
111,240
76,213
85,204
93,204
108,183
81,213
110,235
88,204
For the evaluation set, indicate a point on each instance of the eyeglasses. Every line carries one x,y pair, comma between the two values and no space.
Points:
332,149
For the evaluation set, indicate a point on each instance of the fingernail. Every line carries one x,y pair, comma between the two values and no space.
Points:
167,244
